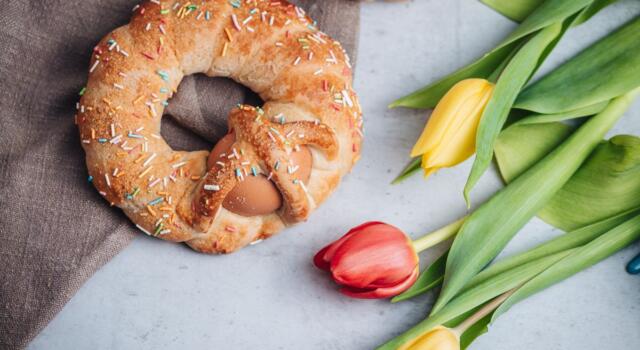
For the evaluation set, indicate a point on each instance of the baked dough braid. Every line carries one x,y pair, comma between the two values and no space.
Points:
269,46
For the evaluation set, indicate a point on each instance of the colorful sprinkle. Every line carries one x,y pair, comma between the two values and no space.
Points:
164,75
156,201
143,230
211,187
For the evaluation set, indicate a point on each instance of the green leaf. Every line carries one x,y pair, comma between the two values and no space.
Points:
496,221
479,328
546,15
606,69
513,9
591,10
606,184
456,321
570,240
519,10
477,296
528,277
408,170
434,274
429,96
578,260
429,279
548,118
549,13
513,78
561,243
521,146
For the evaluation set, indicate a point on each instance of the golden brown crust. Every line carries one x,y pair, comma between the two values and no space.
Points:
270,46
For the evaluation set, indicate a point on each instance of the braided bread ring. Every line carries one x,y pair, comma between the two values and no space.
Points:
269,46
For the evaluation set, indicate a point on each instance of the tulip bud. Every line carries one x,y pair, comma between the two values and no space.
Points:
373,260
439,338
449,137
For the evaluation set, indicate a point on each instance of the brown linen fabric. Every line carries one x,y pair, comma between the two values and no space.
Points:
55,229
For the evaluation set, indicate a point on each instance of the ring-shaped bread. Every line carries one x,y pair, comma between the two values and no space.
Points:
270,46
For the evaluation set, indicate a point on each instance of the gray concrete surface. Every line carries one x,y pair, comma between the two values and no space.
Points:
156,295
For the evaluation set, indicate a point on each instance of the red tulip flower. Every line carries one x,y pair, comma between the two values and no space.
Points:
373,260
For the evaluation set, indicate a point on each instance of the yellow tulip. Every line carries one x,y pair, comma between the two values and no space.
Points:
439,338
449,137
443,338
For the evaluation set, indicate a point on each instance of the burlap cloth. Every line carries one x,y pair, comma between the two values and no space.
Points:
55,229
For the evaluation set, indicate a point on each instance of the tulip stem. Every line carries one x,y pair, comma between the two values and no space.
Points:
440,235
487,309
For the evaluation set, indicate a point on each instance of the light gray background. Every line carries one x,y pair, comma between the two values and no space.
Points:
156,295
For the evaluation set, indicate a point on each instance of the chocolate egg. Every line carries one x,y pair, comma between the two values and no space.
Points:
256,195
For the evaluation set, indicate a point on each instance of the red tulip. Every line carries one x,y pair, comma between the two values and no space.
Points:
373,260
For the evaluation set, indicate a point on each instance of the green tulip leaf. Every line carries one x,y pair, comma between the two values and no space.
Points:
511,81
607,69
570,240
591,10
515,10
429,96
477,296
476,330
496,221
606,184
563,242
578,260
548,14
557,117
541,140
479,328
574,20
565,256
519,10
430,278
409,169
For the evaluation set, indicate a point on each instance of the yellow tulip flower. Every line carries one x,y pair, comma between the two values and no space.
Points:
443,338
449,137
439,338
